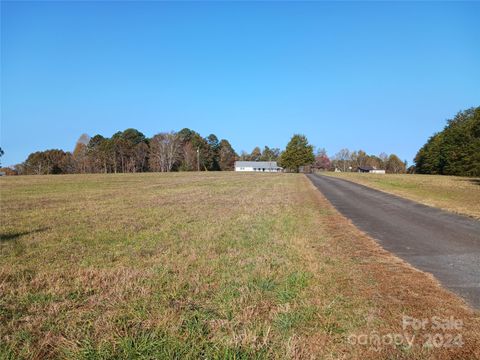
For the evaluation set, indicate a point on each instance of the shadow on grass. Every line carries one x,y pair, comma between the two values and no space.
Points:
474,181
14,236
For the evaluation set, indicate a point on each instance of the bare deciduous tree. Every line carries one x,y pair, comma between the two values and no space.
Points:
383,159
141,157
343,159
164,151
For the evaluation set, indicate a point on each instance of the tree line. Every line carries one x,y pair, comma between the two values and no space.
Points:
346,160
455,150
130,151
299,155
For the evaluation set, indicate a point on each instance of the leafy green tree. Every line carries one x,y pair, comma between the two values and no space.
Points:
455,150
185,135
212,158
191,143
127,150
298,153
133,136
429,159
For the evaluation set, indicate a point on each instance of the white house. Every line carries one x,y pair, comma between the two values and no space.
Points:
258,166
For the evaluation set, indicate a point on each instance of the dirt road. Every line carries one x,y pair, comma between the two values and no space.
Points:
443,244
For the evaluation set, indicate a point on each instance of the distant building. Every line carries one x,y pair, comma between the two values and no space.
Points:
370,170
6,171
258,166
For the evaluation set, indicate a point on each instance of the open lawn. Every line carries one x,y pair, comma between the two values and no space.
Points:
453,193
210,265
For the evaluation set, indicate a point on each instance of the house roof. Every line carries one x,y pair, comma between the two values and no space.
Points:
366,168
257,164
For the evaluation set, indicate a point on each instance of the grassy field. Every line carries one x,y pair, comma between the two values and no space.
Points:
456,194
211,265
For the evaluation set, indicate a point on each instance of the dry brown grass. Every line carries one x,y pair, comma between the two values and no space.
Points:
219,265
460,195
397,289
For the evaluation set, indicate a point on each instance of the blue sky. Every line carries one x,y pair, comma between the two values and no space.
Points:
375,76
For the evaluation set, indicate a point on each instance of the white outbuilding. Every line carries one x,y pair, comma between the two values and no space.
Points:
257,166
370,169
